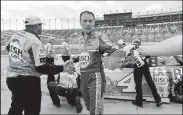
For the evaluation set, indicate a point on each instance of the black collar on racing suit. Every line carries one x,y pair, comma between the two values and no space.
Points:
30,31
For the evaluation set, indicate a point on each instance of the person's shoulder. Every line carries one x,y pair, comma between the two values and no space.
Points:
27,34
19,33
31,37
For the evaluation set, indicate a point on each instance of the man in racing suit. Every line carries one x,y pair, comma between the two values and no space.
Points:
27,62
91,46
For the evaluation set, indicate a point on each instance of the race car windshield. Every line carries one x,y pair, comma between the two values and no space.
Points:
179,59
170,60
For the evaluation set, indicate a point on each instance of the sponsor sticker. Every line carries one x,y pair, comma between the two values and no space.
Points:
15,50
42,52
161,80
84,59
177,73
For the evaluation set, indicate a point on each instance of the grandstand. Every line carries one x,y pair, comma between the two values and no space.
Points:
148,28
127,19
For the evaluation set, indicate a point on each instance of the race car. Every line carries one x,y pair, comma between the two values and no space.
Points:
176,82
166,73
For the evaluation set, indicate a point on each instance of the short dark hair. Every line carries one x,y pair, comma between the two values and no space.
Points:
88,12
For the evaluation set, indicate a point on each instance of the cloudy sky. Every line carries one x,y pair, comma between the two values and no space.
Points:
69,11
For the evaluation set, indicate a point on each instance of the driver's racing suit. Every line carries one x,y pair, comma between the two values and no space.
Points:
91,47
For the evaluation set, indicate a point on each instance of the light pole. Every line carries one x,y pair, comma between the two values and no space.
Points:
61,23
153,11
55,23
162,16
154,16
170,9
138,18
43,23
3,23
49,24
161,10
10,24
16,23
179,14
179,8
23,24
170,14
147,12
68,22
74,23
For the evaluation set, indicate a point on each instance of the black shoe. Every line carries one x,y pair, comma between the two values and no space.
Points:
135,103
57,105
79,107
158,104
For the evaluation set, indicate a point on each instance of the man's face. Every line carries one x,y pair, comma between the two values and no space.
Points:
87,22
39,29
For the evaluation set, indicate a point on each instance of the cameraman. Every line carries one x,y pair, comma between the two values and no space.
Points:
68,85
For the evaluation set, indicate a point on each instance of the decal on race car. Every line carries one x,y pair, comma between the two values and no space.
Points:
161,80
153,61
177,72
126,83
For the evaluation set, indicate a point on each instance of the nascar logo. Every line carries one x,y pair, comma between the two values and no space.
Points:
84,59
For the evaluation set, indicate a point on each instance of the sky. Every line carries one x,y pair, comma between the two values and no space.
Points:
14,12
